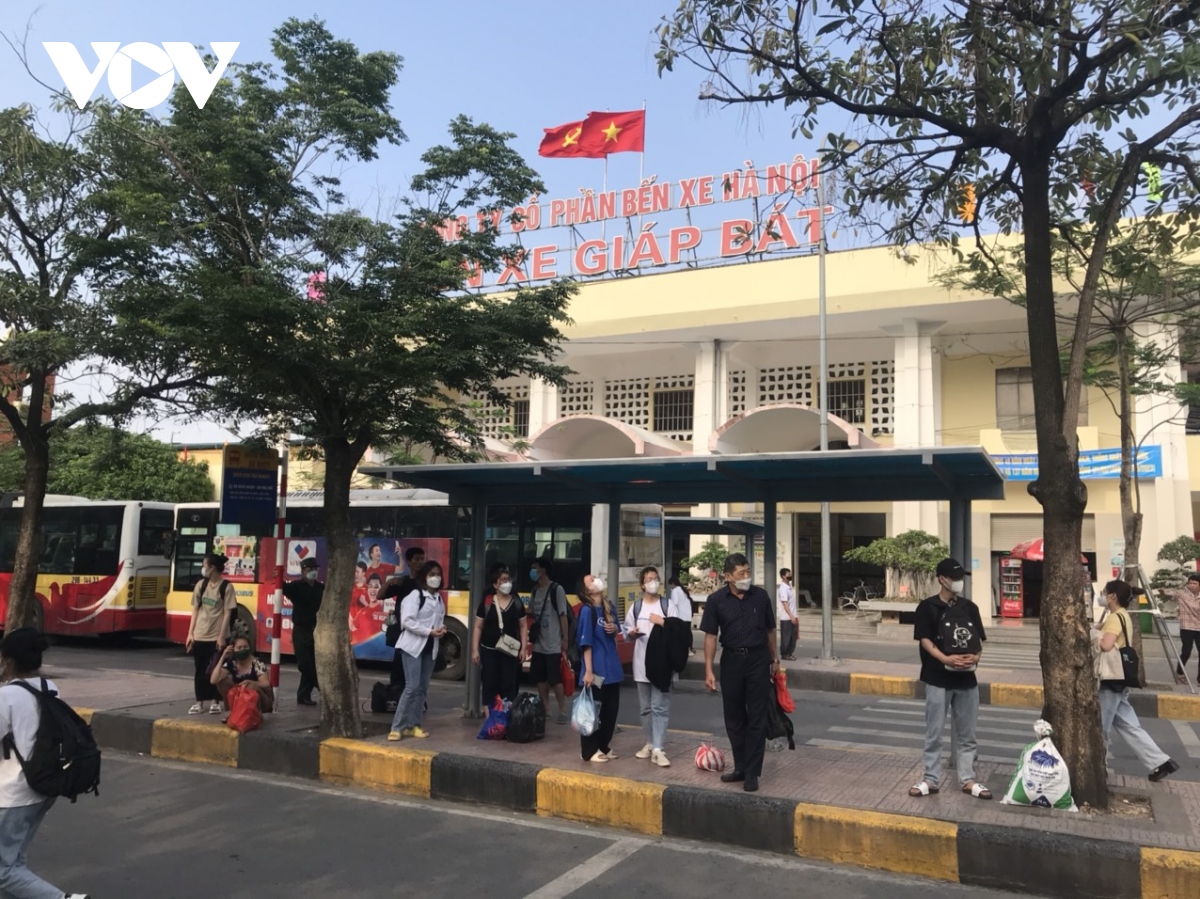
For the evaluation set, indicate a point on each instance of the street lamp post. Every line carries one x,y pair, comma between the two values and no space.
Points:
826,537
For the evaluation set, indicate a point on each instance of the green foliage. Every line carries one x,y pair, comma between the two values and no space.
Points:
1183,551
710,558
105,463
909,557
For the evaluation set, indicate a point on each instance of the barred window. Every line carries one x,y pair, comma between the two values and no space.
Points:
848,400
520,418
673,410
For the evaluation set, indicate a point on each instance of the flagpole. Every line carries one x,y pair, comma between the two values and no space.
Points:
604,189
642,163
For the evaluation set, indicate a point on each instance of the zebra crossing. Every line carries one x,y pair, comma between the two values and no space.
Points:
1011,657
898,726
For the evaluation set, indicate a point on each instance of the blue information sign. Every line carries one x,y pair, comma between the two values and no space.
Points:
250,488
1094,465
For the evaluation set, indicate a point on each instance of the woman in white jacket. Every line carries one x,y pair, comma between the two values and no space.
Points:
422,616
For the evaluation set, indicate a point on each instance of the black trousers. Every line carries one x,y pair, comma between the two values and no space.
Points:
1188,639
202,654
305,650
745,691
787,635
497,676
609,697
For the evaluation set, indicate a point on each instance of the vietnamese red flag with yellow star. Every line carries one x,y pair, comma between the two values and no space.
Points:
614,132
563,141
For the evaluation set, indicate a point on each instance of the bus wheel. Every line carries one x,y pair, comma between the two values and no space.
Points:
244,623
457,654
39,616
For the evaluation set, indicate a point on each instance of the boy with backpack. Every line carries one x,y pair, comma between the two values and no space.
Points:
950,632
45,746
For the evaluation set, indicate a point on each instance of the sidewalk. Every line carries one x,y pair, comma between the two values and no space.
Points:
844,806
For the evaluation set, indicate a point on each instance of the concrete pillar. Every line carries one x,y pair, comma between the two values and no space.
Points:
543,405
1159,421
917,416
706,391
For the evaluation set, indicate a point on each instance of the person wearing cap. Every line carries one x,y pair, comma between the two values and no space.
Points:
1188,599
21,807
950,633
305,595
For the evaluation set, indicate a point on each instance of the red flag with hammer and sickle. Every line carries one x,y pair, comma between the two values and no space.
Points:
563,141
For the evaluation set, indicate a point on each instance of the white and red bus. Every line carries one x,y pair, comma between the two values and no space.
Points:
386,523
103,566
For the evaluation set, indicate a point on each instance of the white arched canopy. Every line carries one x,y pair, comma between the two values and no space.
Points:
593,437
785,428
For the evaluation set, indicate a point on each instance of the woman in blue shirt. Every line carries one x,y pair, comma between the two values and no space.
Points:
601,667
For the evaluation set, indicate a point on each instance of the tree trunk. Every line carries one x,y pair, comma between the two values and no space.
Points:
23,605
1071,703
337,672
1131,518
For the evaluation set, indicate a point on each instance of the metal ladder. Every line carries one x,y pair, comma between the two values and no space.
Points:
1170,650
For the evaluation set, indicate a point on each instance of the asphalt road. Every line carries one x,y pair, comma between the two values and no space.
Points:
165,830
831,720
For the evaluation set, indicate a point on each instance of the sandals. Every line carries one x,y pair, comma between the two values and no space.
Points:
922,789
978,790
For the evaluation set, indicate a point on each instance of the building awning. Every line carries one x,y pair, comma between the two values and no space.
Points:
864,475
703,527
782,428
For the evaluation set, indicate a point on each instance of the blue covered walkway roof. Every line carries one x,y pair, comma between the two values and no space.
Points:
858,475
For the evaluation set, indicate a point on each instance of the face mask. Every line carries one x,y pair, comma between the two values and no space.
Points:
597,585
205,571
311,574
651,587
434,582
956,586
743,585
505,588
241,654
534,573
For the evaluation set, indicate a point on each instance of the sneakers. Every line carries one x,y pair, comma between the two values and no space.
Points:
660,758
416,732
562,718
77,896
214,709
394,736
1166,769
644,752
611,756
598,757
196,709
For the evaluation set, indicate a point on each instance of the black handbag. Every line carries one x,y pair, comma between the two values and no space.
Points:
1129,659
385,697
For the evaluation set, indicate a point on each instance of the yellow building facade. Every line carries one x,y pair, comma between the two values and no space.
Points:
724,360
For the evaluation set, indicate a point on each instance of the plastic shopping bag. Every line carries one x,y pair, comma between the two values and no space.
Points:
495,726
781,693
1041,778
244,712
585,713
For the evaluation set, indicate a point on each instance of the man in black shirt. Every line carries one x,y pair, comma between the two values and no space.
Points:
950,632
305,595
742,615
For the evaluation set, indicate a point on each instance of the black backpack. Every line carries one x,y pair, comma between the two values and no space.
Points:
957,632
65,760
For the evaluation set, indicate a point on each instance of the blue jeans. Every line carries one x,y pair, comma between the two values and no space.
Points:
656,710
18,826
417,672
1117,714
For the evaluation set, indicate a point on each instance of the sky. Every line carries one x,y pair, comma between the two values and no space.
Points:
521,66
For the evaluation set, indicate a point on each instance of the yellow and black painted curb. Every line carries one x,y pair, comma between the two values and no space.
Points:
1023,859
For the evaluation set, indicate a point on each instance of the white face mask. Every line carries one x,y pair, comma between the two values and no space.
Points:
433,582
743,585
956,587
505,588
206,571
597,585
311,574
652,587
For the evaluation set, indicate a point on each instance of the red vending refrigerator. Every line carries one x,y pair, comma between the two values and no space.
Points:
1012,589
